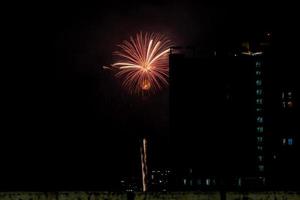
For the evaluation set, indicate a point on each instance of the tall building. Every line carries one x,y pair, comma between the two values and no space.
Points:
282,119
235,116
194,106
210,115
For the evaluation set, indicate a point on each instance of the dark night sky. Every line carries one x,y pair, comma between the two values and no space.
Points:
63,114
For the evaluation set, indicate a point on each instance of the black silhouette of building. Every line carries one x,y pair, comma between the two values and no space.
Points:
238,120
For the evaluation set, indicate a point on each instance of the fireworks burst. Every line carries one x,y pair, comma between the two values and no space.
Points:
143,63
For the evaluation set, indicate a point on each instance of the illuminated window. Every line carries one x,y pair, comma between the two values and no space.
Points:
259,120
259,101
290,141
259,92
287,99
260,158
258,109
207,181
240,181
258,64
184,181
290,104
283,104
261,168
260,129
259,139
284,141
258,72
258,82
260,148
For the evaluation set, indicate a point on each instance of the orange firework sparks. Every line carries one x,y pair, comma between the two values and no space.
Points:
143,62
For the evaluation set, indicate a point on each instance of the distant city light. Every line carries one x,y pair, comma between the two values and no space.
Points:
208,182
290,141
284,141
290,104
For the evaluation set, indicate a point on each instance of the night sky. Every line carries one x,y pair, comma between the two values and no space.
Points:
66,120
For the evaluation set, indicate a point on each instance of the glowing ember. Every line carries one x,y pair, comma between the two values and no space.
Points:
146,85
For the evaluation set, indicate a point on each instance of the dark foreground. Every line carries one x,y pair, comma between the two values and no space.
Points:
191,195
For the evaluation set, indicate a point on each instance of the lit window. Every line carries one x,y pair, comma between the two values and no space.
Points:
258,72
283,104
260,129
284,141
260,158
260,148
287,99
259,139
240,181
259,120
258,64
259,101
258,82
261,168
258,109
259,92
207,181
290,104
288,141
184,181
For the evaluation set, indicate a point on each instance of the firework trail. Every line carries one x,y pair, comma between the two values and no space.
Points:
144,164
143,63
